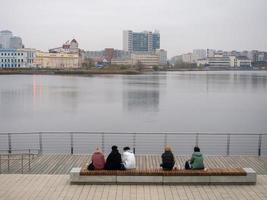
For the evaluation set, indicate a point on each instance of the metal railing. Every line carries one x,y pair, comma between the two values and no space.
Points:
143,143
17,154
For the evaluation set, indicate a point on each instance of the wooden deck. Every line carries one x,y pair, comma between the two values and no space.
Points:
62,164
57,187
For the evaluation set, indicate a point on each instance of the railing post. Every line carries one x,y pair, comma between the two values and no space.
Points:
8,162
9,143
228,145
71,143
103,142
41,142
29,160
134,142
259,145
0,164
197,139
22,163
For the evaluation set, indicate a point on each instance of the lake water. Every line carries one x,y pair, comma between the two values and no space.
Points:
168,101
197,102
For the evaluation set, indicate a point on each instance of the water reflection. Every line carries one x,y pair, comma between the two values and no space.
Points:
224,81
141,93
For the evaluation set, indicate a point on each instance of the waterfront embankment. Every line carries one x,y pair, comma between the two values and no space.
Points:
80,71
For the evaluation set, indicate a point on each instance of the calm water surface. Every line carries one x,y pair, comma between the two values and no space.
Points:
173,101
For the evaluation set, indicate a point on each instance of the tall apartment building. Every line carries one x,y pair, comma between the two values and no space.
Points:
5,39
8,41
145,41
15,43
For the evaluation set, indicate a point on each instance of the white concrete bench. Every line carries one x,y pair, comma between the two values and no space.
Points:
209,176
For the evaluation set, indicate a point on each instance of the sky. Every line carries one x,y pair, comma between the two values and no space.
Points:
184,25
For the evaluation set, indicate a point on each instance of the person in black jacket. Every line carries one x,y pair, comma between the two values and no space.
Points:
167,159
114,161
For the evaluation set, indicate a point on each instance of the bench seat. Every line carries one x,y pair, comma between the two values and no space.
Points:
159,176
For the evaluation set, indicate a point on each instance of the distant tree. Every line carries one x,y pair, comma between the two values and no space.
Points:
183,65
140,66
88,63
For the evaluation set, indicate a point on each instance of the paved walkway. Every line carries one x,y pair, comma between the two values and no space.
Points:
62,164
57,187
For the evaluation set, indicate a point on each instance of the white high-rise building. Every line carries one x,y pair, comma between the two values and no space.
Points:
5,38
199,54
162,56
128,40
146,41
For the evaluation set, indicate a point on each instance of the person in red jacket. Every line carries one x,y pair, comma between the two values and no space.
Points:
98,160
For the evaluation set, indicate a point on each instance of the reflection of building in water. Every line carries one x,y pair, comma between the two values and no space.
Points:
141,93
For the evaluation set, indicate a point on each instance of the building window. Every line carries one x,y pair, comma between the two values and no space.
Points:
8,54
18,54
21,60
18,65
15,54
18,60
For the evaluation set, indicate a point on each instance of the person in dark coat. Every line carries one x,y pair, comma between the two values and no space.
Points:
167,159
114,161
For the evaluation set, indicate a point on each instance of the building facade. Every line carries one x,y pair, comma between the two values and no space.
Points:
162,54
17,58
219,62
240,61
145,59
146,41
56,60
199,54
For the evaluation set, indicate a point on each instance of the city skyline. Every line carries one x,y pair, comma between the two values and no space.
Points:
183,25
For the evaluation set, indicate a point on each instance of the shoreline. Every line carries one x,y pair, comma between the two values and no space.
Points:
85,72
65,72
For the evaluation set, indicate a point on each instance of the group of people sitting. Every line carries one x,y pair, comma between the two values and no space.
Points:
126,160
115,161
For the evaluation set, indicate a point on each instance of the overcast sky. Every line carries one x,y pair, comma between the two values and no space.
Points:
183,24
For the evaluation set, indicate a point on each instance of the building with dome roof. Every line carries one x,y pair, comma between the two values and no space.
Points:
68,47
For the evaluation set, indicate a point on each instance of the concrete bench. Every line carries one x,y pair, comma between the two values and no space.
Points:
159,176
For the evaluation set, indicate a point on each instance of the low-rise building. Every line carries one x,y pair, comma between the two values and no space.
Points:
56,60
240,61
145,59
17,58
219,61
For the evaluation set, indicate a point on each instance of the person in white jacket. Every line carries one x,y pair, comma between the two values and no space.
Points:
128,158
